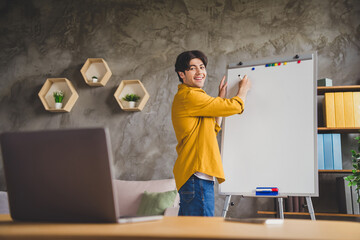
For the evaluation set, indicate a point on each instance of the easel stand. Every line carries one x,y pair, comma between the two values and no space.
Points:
280,202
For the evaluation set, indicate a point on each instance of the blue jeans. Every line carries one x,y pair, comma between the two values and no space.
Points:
197,198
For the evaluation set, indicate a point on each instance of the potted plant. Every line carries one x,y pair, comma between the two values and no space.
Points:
94,79
354,178
131,99
58,96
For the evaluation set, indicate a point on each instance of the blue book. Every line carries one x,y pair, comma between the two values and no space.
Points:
336,139
328,152
320,149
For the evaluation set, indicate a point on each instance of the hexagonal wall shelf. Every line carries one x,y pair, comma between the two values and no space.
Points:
55,84
128,87
96,67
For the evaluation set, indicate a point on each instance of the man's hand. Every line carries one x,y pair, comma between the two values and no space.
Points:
244,87
222,88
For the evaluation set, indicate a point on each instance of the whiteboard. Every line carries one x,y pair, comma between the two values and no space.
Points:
273,143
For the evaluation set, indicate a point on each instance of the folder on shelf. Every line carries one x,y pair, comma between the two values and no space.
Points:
328,152
339,110
356,99
325,82
344,196
329,109
320,147
355,204
349,109
337,156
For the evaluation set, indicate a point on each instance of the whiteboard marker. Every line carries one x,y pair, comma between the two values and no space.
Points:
268,190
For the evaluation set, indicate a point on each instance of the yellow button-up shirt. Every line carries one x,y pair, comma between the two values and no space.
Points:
193,117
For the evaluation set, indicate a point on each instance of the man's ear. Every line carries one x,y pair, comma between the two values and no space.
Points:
182,75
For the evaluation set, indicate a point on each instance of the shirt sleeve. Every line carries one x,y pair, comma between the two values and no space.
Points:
199,104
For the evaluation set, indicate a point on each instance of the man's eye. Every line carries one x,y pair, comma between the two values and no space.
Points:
202,67
192,68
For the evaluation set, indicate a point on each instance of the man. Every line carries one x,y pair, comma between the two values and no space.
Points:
196,119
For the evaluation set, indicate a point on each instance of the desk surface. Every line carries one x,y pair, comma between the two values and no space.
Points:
181,228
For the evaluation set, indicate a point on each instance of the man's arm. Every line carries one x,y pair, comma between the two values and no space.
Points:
222,94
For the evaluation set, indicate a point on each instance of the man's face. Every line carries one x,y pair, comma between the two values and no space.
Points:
196,75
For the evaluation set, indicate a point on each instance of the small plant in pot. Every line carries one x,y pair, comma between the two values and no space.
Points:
94,79
131,99
58,97
354,178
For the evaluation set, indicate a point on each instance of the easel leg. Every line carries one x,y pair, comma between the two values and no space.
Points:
281,208
310,207
226,206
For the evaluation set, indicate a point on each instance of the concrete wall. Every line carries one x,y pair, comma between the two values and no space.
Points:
41,39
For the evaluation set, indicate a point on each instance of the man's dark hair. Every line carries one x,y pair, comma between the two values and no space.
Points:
183,61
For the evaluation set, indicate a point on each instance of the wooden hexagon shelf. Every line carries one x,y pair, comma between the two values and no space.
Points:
56,84
96,67
129,87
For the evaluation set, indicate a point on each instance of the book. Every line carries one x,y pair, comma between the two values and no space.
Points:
301,204
296,204
349,109
355,204
339,109
329,109
324,82
320,147
344,196
289,204
337,156
328,152
356,99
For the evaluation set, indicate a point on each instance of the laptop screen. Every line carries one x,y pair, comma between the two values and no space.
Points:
59,175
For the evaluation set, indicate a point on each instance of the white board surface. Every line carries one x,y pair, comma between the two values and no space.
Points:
273,142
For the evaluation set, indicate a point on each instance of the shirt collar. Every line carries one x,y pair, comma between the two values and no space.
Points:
184,86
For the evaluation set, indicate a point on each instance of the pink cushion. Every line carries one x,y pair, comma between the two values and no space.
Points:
129,193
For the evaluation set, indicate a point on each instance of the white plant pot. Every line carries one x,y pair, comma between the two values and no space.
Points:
94,80
58,105
132,104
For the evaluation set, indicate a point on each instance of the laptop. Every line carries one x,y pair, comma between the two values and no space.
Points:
61,176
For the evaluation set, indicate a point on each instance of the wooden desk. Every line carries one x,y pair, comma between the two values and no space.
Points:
181,228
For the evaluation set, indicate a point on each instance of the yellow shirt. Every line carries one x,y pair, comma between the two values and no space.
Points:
193,117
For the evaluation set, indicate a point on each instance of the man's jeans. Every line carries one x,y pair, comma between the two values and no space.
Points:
197,198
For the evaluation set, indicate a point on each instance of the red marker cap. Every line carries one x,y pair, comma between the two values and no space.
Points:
299,61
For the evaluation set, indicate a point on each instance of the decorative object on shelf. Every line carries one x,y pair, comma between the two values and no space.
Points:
325,82
134,87
96,67
58,97
53,85
131,99
354,178
94,79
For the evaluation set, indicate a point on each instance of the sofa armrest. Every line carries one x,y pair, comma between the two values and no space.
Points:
171,211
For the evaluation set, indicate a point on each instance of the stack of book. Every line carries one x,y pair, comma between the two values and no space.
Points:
347,197
342,109
295,204
329,151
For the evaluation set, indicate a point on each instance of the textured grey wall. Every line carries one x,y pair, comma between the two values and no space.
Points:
140,40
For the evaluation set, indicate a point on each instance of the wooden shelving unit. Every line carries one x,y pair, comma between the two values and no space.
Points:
307,214
338,130
129,87
353,88
56,84
96,67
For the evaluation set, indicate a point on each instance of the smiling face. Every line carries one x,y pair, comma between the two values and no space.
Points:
196,75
